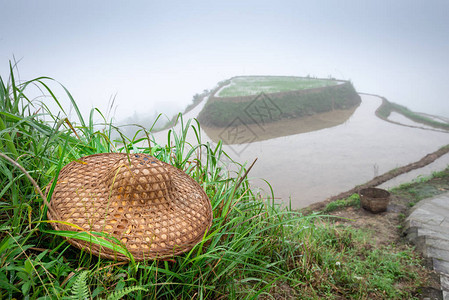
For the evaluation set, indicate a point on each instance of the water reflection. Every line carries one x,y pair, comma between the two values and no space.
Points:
255,132
309,167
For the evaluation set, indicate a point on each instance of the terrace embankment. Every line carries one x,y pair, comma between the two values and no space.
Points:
269,115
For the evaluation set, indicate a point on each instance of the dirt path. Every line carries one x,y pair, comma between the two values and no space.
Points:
386,229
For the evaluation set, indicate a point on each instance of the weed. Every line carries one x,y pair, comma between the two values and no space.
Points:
353,200
253,249
423,187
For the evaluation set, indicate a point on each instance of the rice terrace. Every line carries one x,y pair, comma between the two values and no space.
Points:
224,150
263,107
251,245
253,85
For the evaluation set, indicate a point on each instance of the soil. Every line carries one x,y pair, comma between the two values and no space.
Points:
386,227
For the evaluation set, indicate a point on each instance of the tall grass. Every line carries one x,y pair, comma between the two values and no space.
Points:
254,249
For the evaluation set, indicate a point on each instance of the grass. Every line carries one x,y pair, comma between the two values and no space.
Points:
253,85
262,109
197,98
387,108
353,200
254,250
420,188
423,187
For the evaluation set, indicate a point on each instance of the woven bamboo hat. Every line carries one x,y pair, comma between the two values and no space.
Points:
153,208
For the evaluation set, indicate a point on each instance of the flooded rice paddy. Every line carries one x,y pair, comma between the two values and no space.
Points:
310,167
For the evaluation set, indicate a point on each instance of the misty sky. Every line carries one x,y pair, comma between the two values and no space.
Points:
155,55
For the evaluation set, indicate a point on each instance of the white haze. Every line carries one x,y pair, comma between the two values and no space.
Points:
154,56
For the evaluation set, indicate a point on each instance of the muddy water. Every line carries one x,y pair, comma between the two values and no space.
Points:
310,167
286,127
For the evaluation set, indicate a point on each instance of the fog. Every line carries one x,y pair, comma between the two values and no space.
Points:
153,56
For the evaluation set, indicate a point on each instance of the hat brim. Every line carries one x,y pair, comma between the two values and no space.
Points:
149,226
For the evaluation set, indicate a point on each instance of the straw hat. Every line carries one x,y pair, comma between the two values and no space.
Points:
153,208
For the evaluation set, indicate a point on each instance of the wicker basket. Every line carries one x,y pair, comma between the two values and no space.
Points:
375,200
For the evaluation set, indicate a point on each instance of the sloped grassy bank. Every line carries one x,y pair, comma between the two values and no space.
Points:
254,249
388,107
222,111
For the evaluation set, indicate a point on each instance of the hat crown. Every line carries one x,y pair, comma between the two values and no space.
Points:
139,177
153,208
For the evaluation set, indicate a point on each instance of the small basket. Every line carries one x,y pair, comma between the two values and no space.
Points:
375,200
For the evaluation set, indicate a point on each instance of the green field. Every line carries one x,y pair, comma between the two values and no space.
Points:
253,85
299,102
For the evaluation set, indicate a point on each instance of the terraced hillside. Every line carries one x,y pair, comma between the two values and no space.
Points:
267,99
